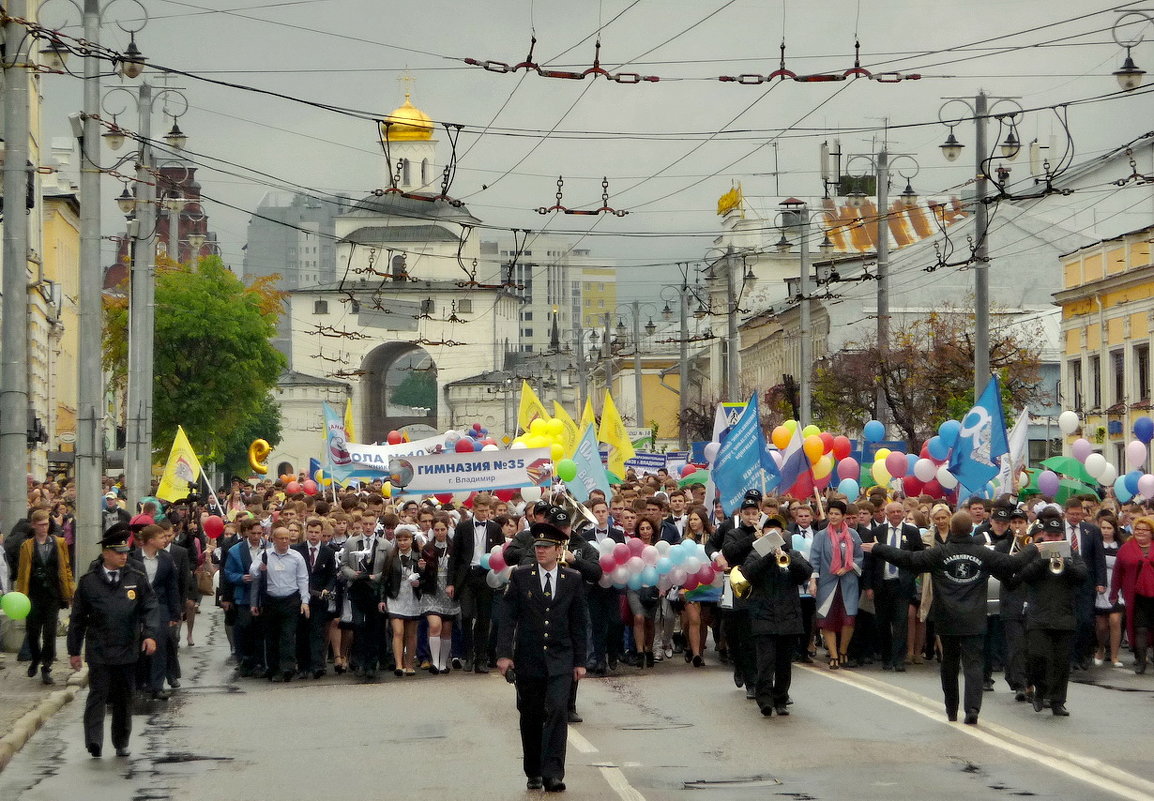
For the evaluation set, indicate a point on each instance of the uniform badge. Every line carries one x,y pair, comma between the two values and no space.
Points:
132,595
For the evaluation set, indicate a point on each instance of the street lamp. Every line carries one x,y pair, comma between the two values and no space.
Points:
1130,75
951,148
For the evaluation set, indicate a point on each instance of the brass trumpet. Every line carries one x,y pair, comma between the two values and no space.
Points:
1057,565
1020,543
783,560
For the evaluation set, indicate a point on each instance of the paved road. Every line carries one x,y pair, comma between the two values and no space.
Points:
672,733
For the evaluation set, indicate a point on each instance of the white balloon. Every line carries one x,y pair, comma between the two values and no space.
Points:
531,494
518,446
1068,422
606,580
490,448
1109,475
924,469
620,574
691,565
496,549
663,547
606,546
1095,464
711,450
677,576
634,565
493,579
650,555
460,497
946,478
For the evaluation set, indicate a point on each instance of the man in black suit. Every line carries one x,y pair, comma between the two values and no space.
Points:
604,610
892,588
160,569
545,641
472,539
806,527
186,585
321,562
1086,542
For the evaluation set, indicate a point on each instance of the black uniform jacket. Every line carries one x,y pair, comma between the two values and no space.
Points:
1050,599
773,602
544,636
113,620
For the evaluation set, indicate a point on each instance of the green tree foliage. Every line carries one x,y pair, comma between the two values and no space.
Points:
417,388
214,361
264,424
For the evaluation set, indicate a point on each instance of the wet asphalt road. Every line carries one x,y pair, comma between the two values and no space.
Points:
670,733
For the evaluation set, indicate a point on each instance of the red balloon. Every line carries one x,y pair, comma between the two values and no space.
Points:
621,553
827,441
841,447
310,487
395,438
932,488
607,562
505,495
477,427
468,504
705,575
443,497
690,583
292,488
464,445
213,527
823,482
912,486
925,451
688,470
635,546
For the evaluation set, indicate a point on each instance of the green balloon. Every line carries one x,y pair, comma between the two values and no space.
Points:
16,605
567,469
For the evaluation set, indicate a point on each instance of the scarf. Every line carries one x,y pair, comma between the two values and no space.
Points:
840,536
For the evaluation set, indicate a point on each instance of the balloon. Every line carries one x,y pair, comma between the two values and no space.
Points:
539,427
664,565
258,452
606,546
848,468
292,488
790,426
443,497
690,584
518,445
213,527
813,447
386,489
823,467
394,437
649,577
607,562
620,576
1081,449
777,457
505,495
677,556
1109,475
497,562
711,450
1068,422
634,582
1135,454
485,561
1121,491
827,439
621,553
873,431
663,547
555,428
841,447
566,469
557,452
691,564
606,581
911,486
938,449
464,445
1048,482
493,579
531,494
880,474
949,431
781,437
705,575
1144,429
16,605
1096,463
947,479
650,555
881,453
933,488
635,546
634,565
810,431
925,469
849,488
677,576
1132,481
489,446
896,464
310,487
1146,485
688,470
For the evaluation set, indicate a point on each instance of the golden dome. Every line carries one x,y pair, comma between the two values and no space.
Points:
407,123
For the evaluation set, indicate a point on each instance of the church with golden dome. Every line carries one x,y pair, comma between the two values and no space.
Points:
410,147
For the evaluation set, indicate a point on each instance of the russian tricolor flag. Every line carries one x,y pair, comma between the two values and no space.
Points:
796,471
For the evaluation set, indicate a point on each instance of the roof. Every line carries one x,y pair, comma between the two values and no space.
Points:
379,234
291,378
396,204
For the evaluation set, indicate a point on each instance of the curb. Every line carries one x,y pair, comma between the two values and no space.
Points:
30,722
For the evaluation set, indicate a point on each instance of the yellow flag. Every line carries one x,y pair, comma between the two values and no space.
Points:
182,469
531,407
570,435
587,416
614,435
349,421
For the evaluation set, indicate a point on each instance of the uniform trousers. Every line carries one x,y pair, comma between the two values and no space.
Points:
1014,629
1048,663
280,620
891,611
774,668
739,641
172,655
41,624
151,669
964,651
476,613
995,647
543,703
311,632
248,635
109,684
605,621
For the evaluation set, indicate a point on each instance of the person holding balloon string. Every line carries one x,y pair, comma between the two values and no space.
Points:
700,604
643,601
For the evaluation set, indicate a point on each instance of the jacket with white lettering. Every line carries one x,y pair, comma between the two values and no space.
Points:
960,569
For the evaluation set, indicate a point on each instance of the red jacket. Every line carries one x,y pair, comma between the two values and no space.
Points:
1126,567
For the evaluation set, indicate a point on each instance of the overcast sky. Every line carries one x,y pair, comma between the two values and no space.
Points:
354,53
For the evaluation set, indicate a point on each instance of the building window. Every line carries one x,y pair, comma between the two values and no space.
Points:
1096,382
406,175
424,171
320,307
527,316
1142,363
355,306
1119,377
1076,383
465,305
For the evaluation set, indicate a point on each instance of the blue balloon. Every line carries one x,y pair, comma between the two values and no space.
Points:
1144,429
484,561
477,445
664,565
634,582
649,576
1121,491
1132,481
937,448
873,431
677,555
948,431
690,548
849,488
911,460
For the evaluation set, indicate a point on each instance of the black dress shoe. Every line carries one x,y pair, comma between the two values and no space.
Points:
1020,696
766,710
1039,702
988,685
161,695
952,717
887,667
94,750
278,679
574,717
32,669
971,718
554,786
805,659
899,668
318,673
782,710
455,663
698,661
370,676
535,783
123,751
613,663
480,667
750,693
46,678
1059,710
174,684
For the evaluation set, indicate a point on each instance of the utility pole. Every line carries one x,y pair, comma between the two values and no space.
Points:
683,369
607,351
981,254
90,373
14,400
882,235
732,384
172,204
640,406
142,327
804,325
582,379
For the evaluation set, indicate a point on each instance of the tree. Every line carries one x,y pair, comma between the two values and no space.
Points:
926,375
214,362
417,388
263,424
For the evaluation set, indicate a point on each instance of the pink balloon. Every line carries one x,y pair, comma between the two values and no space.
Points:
1135,455
1048,482
607,562
636,546
650,555
777,457
897,464
849,468
1146,486
690,583
1081,449
621,553
497,562
705,575
634,565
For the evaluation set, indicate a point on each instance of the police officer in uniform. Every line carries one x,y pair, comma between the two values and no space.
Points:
543,637
115,610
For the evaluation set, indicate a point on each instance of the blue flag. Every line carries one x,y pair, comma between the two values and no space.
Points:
982,441
591,473
744,463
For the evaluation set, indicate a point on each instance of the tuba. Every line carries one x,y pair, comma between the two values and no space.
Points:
739,583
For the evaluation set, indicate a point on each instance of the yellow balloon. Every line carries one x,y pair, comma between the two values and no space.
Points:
387,489
823,467
536,441
538,427
781,436
556,427
810,431
881,454
813,447
557,451
790,425
880,474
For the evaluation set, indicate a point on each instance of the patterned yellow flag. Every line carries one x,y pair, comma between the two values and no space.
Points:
349,437
587,416
570,436
531,407
613,434
182,469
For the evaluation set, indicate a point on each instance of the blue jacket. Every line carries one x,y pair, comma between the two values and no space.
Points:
236,568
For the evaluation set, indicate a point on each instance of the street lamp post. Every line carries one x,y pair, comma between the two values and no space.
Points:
798,214
1130,75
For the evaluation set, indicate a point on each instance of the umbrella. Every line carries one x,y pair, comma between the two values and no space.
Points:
1069,466
613,479
696,477
1066,486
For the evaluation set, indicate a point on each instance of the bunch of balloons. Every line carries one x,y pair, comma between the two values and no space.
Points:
634,565
499,570
1096,464
543,433
470,440
822,448
294,487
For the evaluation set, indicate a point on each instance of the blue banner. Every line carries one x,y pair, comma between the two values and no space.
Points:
591,473
982,440
744,463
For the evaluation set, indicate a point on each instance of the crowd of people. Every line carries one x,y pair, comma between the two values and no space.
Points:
362,585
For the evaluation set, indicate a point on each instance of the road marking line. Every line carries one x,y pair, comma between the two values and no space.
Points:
1086,769
612,775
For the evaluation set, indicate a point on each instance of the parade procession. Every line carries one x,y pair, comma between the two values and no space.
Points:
663,400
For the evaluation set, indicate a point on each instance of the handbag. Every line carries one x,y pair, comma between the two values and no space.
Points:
204,579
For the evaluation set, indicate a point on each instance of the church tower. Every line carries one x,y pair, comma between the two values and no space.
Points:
407,139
